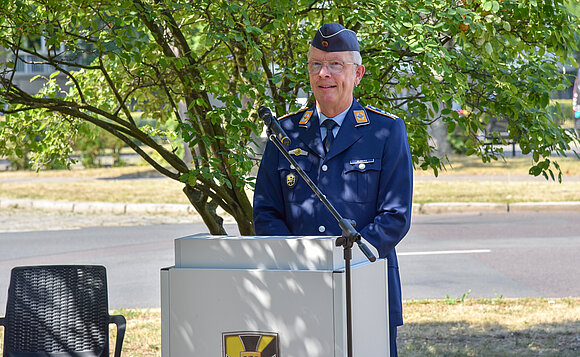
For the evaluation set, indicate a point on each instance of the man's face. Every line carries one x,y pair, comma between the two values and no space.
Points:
333,91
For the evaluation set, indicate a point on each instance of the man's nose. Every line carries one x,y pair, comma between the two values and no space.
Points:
324,70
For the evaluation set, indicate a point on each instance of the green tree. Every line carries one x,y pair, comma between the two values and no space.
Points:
200,69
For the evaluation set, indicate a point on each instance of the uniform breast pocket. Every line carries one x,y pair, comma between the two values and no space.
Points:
293,185
361,180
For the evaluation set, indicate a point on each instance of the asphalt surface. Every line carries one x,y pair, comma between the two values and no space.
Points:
475,254
519,254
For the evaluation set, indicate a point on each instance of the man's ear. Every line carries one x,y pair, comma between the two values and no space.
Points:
359,73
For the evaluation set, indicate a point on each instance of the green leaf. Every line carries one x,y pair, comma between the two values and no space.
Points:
488,48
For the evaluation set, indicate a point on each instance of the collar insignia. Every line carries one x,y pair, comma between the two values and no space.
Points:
360,117
305,118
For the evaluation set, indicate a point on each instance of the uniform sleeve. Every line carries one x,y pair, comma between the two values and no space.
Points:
268,208
394,201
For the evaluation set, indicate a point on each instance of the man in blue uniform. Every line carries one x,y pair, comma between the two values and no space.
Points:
358,156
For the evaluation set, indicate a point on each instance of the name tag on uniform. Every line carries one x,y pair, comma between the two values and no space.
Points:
298,152
362,163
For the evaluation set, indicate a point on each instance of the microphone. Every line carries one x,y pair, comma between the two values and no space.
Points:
272,124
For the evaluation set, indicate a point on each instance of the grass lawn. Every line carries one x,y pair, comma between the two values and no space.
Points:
465,180
491,327
437,328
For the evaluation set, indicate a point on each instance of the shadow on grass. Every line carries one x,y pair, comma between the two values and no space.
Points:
459,338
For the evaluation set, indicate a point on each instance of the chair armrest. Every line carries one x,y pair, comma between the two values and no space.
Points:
121,323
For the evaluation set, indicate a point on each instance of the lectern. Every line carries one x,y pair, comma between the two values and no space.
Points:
270,296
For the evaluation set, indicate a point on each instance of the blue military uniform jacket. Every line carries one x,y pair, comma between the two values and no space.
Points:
367,176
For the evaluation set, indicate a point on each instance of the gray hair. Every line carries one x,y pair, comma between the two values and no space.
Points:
356,57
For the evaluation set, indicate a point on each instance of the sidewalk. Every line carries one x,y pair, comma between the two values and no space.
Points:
188,210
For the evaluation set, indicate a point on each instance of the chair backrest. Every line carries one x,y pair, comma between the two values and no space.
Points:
57,310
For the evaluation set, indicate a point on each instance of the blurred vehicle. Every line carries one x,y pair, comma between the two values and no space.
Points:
576,101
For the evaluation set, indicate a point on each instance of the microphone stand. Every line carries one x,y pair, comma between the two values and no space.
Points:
346,240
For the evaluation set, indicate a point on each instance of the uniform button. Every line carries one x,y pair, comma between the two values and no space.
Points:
292,167
322,229
362,166
324,168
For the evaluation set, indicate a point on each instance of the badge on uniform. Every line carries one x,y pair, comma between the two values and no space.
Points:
305,118
298,152
291,180
360,117
362,164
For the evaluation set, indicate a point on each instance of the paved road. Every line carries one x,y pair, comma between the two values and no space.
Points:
491,254
512,255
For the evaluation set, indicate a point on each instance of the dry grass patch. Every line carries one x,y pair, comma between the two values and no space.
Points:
463,165
495,191
441,328
491,327
100,190
126,171
143,335
504,182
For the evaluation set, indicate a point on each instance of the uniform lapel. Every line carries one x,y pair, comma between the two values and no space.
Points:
350,131
311,135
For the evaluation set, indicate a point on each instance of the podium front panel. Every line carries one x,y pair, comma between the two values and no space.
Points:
301,310
295,305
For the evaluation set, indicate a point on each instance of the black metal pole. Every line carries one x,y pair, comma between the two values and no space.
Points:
347,276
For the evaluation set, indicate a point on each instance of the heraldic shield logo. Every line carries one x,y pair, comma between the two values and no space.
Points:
250,344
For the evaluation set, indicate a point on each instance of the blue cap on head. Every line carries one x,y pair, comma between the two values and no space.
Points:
334,37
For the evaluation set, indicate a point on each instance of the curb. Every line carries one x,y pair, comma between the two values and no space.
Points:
97,207
545,206
159,208
452,207
480,207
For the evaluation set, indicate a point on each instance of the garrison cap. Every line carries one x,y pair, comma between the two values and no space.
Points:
334,37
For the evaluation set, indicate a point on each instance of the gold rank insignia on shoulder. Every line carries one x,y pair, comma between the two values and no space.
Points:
380,111
305,118
291,114
298,152
291,180
361,117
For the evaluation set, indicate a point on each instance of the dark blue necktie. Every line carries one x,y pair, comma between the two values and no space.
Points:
329,124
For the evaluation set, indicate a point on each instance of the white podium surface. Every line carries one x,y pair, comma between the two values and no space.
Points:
270,296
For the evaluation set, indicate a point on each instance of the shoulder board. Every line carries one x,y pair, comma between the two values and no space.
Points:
380,111
293,113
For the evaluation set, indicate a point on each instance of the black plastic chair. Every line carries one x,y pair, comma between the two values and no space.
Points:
59,310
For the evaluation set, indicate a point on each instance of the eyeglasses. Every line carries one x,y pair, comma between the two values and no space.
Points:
335,67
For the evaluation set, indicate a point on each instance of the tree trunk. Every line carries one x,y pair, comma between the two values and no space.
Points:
207,210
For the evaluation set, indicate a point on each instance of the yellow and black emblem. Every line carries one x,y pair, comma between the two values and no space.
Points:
291,180
250,344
